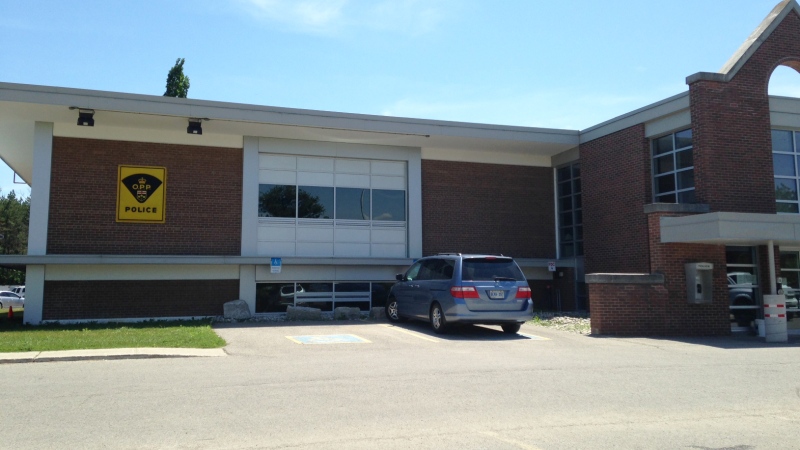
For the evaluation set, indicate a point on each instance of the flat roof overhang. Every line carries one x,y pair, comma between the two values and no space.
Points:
728,228
131,116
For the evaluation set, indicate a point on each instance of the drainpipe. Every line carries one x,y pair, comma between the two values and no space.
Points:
773,283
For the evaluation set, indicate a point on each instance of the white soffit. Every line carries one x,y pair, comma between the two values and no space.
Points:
676,104
726,228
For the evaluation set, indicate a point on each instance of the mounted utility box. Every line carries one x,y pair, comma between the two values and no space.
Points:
699,281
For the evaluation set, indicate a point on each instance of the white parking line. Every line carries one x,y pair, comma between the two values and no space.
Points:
416,335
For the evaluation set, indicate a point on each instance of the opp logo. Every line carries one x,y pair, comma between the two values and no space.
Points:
141,194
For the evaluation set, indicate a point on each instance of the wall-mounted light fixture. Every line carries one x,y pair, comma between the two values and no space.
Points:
85,116
195,126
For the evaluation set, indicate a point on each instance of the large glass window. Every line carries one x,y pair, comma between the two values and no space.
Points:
790,283
744,294
317,202
673,168
570,210
277,200
275,297
388,204
353,204
784,165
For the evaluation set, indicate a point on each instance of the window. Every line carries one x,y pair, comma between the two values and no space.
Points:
784,164
353,204
317,202
275,200
314,202
673,168
388,205
570,210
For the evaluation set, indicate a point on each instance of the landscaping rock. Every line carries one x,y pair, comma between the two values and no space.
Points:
303,313
377,313
346,313
237,310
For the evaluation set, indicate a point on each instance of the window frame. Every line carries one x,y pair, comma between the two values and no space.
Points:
675,172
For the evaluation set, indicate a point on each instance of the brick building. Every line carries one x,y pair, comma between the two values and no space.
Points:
156,207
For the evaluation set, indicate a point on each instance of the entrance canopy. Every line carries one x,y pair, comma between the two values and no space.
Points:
728,228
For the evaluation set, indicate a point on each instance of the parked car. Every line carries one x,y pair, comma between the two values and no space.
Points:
8,298
452,288
19,290
740,293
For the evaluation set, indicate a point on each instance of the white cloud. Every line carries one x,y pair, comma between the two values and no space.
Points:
332,16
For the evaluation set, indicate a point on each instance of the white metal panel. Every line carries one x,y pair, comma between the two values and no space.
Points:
276,249
273,233
352,166
315,249
351,250
250,175
314,179
315,164
314,234
352,235
277,162
388,250
277,177
388,168
350,180
383,182
389,236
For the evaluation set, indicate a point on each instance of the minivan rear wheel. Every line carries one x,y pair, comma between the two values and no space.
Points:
511,328
438,321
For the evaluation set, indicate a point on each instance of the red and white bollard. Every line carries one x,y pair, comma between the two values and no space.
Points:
775,319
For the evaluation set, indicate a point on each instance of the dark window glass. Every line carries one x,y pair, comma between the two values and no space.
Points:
576,170
668,198
351,287
563,174
565,219
792,279
785,189
388,205
566,234
315,202
567,250
663,145
578,217
782,141
683,139
486,269
685,179
739,255
438,269
380,292
664,164
783,165
564,188
577,198
276,200
790,260
665,183
352,204
577,185
787,207
684,159
315,295
274,297
565,204
579,233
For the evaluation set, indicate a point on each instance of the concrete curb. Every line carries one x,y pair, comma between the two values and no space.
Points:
108,354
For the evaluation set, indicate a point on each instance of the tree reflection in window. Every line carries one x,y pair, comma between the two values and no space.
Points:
277,200
315,202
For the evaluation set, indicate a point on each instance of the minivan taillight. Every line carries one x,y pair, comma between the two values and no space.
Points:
464,292
524,292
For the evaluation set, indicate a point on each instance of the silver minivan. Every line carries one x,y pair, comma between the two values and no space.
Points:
453,288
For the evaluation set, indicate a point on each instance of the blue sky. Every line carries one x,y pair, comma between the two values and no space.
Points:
542,63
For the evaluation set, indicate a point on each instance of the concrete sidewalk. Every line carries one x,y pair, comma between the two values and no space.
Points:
110,353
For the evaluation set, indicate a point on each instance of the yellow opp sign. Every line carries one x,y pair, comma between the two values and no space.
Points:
141,194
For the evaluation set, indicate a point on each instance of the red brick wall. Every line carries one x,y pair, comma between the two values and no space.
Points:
71,300
203,209
731,128
628,309
683,318
615,171
487,208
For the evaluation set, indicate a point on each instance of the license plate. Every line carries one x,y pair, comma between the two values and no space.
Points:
497,295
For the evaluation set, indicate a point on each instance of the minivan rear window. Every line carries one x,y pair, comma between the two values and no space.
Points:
487,269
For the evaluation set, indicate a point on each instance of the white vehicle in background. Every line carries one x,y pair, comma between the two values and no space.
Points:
19,290
8,298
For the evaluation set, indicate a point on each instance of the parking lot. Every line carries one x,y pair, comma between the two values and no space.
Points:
403,386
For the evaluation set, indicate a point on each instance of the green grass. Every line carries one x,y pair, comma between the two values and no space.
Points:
16,337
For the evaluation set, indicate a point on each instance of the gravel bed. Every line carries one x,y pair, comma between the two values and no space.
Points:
572,322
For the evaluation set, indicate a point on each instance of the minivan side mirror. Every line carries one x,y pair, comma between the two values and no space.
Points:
400,277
